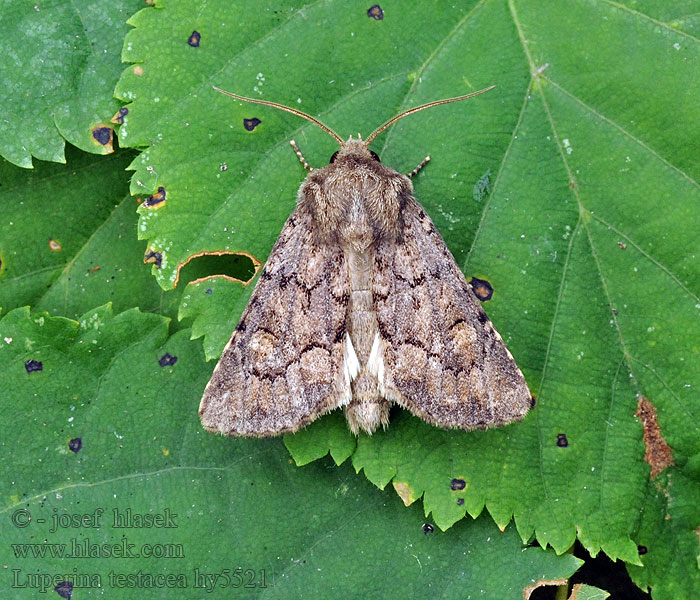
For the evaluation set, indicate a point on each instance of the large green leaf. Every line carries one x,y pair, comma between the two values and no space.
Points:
60,64
70,241
107,424
588,234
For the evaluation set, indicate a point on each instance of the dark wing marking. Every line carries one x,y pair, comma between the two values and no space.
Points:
442,358
283,366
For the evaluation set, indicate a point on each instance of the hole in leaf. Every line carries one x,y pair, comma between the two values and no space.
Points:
235,266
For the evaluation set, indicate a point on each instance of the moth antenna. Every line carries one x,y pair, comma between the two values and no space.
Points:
410,111
294,111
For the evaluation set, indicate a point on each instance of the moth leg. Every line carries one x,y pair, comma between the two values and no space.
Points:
422,163
300,156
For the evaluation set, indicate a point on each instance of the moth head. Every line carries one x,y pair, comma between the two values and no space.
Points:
356,146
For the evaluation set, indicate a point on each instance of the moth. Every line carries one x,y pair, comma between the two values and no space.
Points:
361,305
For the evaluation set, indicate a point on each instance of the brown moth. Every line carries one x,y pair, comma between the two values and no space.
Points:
360,305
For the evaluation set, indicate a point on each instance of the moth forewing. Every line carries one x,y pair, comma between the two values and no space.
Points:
361,304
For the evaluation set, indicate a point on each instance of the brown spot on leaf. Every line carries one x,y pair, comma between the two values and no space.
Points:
103,135
405,492
562,440
156,200
658,453
152,256
251,124
482,288
622,245
54,246
375,12
194,39
33,365
118,117
75,445
138,70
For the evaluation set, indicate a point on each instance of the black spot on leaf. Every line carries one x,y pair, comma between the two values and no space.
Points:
457,484
460,501
428,528
375,12
482,288
103,135
209,291
153,257
33,365
75,445
251,124
118,117
562,442
64,589
156,200
642,550
194,39
167,360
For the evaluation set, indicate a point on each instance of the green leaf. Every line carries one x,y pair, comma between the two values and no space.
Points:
108,425
69,244
668,535
587,235
582,591
61,61
207,301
